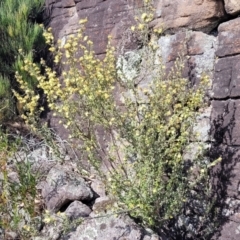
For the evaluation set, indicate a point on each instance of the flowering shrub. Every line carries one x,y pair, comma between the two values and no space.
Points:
146,122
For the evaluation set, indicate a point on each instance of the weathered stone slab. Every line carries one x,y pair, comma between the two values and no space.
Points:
110,227
232,6
229,38
203,125
197,50
77,209
105,17
227,78
225,120
63,187
230,231
226,187
189,14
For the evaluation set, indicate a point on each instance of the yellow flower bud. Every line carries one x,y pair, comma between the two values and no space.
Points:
82,21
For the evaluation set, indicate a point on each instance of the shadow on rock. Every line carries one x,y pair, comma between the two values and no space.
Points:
225,176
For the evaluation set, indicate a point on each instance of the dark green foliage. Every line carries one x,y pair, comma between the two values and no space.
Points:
6,99
18,31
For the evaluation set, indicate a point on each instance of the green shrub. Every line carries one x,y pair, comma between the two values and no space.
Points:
18,32
6,99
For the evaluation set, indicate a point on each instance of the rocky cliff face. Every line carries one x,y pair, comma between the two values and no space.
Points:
104,17
207,31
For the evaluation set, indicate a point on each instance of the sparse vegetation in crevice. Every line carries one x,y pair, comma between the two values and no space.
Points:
19,199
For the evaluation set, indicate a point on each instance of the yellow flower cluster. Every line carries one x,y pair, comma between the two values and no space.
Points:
86,79
142,23
28,103
48,38
147,17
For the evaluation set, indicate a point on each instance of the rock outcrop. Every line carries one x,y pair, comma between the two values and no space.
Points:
199,15
213,48
225,124
63,187
105,17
